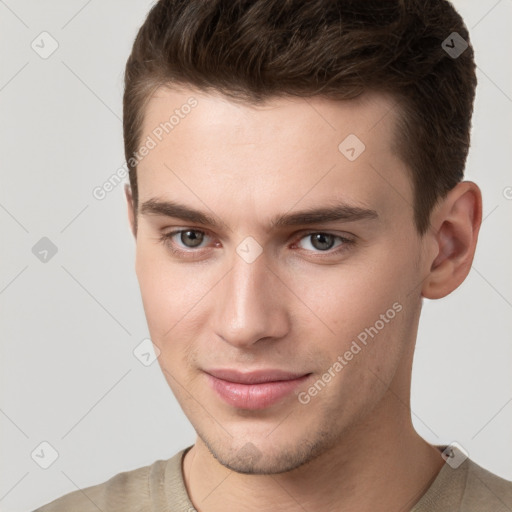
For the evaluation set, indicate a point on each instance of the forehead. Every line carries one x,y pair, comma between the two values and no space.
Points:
207,148
296,117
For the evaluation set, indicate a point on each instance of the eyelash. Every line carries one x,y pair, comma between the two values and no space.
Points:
166,239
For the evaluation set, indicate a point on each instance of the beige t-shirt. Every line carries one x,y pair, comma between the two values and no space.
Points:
159,487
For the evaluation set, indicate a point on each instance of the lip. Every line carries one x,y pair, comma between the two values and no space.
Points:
254,390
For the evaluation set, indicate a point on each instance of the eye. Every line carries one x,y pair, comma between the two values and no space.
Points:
323,242
191,238
181,240
187,243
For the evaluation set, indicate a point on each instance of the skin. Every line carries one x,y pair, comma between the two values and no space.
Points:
298,306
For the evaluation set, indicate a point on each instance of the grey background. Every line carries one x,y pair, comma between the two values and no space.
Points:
69,325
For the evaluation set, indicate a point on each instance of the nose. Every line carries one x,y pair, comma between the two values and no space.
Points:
250,304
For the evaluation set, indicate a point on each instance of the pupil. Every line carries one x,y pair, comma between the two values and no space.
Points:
325,241
193,237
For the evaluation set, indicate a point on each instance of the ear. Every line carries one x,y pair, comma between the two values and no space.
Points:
455,224
131,211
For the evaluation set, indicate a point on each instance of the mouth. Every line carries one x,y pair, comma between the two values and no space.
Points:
254,390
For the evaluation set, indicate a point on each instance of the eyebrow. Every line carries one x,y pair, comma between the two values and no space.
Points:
338,212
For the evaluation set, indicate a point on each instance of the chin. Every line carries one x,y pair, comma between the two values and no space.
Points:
270,459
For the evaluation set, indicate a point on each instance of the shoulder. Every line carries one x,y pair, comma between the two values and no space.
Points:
486,491
128,491
465,486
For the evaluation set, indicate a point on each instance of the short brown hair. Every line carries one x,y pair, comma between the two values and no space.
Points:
253,50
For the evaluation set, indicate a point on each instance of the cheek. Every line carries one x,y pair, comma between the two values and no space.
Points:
168,295
364,308
347,298
173,296
164,289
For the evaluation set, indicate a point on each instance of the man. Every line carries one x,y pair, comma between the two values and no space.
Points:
296,191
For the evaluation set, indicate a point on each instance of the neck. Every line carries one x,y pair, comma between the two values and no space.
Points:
380,461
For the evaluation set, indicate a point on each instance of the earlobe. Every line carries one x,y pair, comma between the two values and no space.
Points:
130,207
455,226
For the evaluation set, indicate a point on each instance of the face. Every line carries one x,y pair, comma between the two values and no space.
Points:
330,298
